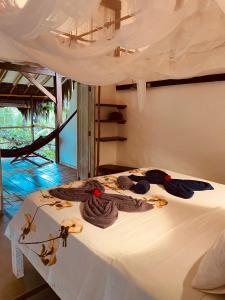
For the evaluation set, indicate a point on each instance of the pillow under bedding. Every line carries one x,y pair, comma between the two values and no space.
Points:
210,276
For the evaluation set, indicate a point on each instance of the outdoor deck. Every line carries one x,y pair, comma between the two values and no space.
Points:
23,178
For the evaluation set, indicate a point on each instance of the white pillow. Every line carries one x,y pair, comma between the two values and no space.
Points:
210,275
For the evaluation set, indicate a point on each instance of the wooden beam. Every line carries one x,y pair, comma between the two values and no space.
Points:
39,86
2,75
15,82
58,111
22,96
118,16
26,68
14,127
168,82
29,84
32,118
127,50
8,104
98,130
46,79
112,4
28,126
105,25
117,26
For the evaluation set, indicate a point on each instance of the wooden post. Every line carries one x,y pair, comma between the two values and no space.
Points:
85,131
92,143
17,260
32,118
58,111
117,24
98,131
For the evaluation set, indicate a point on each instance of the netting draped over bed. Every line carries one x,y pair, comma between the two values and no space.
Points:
77,38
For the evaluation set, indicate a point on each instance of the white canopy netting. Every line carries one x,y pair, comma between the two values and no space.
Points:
97,42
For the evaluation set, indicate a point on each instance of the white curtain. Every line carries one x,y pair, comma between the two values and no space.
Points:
160,39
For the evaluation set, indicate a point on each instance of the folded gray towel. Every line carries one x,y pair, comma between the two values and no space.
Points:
100,208
124,182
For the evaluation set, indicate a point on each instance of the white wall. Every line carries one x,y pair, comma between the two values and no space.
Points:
68,137
181,128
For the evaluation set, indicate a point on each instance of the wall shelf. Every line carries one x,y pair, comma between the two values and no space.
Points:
118,106
112,121
116,118
112,139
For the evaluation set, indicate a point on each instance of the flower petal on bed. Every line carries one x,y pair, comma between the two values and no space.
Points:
74,224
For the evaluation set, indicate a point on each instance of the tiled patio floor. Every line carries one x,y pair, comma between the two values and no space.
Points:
23,178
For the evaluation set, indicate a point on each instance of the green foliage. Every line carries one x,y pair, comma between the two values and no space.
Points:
19,137
43,116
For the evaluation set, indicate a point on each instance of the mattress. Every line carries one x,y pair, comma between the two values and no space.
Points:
147,255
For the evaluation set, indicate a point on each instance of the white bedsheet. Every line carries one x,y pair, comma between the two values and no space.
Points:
150,255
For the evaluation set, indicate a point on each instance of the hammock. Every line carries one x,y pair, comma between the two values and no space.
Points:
37,144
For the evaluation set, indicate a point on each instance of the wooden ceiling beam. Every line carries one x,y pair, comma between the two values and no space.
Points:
116,22
112,4
26,68
43,82
29,84
39,86
15,82
105,25
46,79
2,75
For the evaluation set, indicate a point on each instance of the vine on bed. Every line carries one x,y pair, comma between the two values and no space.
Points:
47,252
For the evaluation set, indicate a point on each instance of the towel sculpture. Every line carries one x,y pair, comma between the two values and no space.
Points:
125,183
178,187
100,208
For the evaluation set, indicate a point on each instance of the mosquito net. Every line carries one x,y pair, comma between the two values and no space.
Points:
104,42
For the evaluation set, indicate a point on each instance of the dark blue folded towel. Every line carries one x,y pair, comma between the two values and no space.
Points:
178,187
141,187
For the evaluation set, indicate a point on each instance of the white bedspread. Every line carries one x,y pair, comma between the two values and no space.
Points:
149,255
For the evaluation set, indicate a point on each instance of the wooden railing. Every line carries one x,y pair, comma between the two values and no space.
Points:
32,127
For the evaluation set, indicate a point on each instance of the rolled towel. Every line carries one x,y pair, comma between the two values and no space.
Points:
100,212
141,187
137,178
124,182
178,187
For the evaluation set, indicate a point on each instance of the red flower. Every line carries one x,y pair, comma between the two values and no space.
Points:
96,192
167,178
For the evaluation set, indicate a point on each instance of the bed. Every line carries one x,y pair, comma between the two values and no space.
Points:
148,255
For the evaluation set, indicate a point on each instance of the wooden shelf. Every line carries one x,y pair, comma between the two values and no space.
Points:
113,138
118,106
112,121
